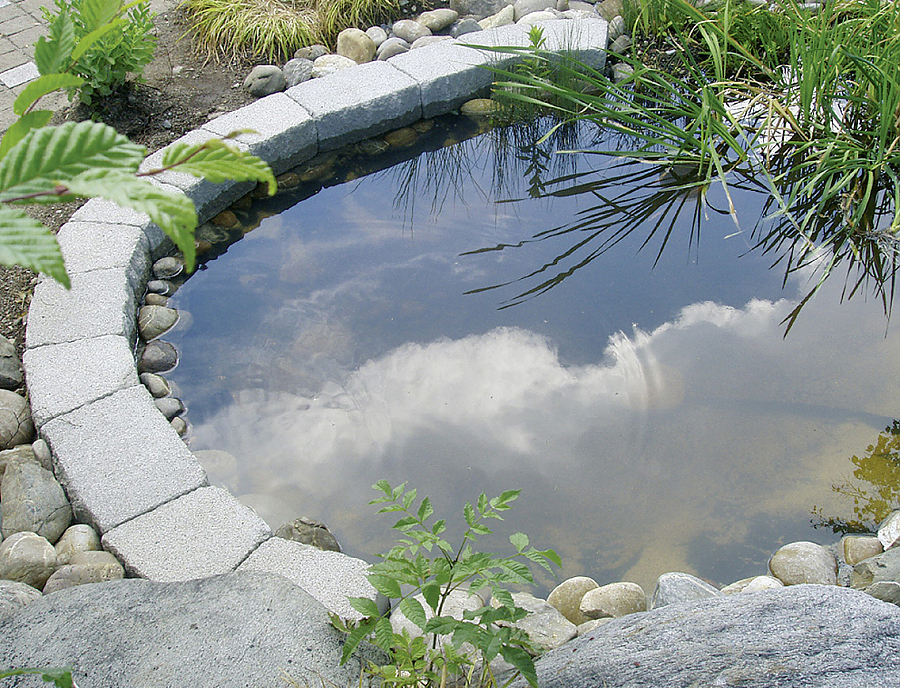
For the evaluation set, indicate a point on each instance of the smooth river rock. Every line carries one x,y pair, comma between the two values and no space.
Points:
158,357
168,267
297,71
805,636
77,539
804,562
15,595
889,530
157,385
27,558
16,426
85,567
33,501
409,30
392,46
328,64
356,44
155,320
20,453
615,600
882,567
264,80
309,532
545,625
856,548
11,375
231,631
677,588
566,597
439,19
752,584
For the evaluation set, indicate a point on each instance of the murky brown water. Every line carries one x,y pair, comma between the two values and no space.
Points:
654,416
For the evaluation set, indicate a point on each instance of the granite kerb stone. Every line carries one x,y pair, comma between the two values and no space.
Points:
125,469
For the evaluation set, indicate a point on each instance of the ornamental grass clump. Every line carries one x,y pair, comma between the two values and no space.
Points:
808,103
275,29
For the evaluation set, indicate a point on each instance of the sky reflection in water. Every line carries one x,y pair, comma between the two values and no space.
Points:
654,417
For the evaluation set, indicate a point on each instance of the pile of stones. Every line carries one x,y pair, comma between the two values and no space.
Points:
357,46
41,549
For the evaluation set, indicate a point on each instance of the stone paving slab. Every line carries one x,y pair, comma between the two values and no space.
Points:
327,576
584,40
64,377
209,198
100,302
202,533
354,104
286,134
118,458
89,246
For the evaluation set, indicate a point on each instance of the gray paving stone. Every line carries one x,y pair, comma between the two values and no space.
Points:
63,377
101,211
19,75
100,302
327,576
88,246
118,458
449,73
585,41
286,133
202,533
208,198
354,104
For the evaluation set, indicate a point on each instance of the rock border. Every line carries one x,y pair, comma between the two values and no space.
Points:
125,469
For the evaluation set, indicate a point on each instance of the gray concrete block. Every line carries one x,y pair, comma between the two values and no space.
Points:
100,302
118,458
203,533
585,41
354,104
208,198
107,212
63,377
328,576
286,133
88,246
448,74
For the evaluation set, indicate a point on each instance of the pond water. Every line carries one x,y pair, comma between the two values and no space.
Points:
647,405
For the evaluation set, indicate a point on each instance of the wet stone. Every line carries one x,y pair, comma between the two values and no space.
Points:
309,532
16,426
225,219
288,180
78,538
157,299
11,376
27,558
804,562
170,407
33,501
158,357
157,385
179,425
217,235
164,287
373,147
401,138
155,320
168,267
480,107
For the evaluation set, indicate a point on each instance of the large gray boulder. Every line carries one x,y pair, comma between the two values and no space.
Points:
795,637
33,501
237,629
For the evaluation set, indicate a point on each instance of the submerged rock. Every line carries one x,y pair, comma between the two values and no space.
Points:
309,532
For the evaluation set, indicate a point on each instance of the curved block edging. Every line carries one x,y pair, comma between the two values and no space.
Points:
124,467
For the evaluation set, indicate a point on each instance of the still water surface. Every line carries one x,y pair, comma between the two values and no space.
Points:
653,415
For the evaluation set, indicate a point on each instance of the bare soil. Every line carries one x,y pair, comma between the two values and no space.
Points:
181,90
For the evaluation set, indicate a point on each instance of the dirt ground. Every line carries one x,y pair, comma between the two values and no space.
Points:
181,90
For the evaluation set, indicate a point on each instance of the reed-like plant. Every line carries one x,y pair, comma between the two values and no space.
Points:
812,109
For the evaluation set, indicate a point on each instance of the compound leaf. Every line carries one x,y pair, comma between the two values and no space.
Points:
25,241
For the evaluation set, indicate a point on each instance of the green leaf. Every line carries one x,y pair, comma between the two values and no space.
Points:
502,502
409,498
383,486
17,130
218,161
432,594
413,610
480,529
384,634
397,491
61,678
42,86
356,636
522,661
172,211
439,527
425,510
96,13
52,55
49,156
25,241
469,514
482,503
442,625
519,541
364,606
386,585
504,597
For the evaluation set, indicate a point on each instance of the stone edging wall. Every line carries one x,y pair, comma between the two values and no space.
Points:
125,469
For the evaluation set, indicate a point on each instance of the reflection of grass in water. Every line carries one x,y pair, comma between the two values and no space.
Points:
875,488
512,153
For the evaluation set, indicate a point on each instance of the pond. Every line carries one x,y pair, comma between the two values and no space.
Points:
447,321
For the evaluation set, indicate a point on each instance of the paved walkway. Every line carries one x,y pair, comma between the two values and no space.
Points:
21,23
